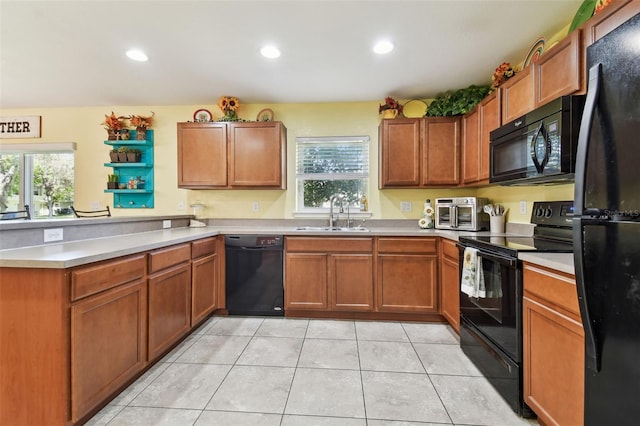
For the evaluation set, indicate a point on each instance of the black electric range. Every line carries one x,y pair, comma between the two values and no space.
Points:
491,322
553,232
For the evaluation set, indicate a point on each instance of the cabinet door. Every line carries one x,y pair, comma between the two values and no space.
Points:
202,155
489,120
471,146
441,151
257,154
399,161
407,283
169,308
305,281
450,287
351,282
553,365
108,344
517,95
559,71
204,287
611,17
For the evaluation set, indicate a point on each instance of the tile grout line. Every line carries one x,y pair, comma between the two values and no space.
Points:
295,371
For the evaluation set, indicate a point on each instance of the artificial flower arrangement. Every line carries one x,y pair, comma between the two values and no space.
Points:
140,121
504,72
390,103
111,122
229,106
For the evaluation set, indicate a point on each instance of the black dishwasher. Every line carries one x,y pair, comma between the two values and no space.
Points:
254,272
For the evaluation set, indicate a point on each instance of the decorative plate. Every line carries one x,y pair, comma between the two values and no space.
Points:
265,115
534,53
202,115
414,108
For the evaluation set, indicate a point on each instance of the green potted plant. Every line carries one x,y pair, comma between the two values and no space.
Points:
133,155
113,155
122,154
112,181
458,102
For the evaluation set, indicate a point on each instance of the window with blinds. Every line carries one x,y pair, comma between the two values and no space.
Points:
331,165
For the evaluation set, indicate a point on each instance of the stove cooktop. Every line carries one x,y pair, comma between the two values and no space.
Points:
553,232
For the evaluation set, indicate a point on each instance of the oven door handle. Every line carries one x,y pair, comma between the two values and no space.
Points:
512,262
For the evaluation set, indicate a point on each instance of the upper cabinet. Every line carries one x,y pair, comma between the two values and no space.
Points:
220,155
557,73
419,152
476,127
616,13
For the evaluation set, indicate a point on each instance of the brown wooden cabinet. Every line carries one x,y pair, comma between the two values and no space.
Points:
419,152
476,128
202,155
169,297
612,16
517,95
560,70
553,347
450,283
232,155
407,279
329,274
108,330
205,277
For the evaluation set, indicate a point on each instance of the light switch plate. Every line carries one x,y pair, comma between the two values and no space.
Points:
255,206
523,207
405,206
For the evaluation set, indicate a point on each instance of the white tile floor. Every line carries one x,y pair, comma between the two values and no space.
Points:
236,371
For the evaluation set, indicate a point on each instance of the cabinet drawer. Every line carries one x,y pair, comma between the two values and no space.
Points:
553,287
407,245
450,250
161,259
329,245
203,247
93,279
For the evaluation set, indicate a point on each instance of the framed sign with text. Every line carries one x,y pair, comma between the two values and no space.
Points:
27,126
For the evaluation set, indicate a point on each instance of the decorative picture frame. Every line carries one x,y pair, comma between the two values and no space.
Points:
202,116
265,115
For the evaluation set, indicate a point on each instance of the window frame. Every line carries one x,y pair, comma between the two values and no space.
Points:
300,209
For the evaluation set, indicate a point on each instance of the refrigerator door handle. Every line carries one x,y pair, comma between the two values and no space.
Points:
592,357
583,137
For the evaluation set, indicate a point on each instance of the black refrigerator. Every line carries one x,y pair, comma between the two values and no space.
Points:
607,228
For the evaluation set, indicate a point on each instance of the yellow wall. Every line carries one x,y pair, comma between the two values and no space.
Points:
82,125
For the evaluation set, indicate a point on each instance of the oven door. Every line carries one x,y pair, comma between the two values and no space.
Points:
497,316
467,216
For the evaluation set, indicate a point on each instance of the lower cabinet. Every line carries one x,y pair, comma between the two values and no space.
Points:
450,283
169,297
108,330
407,278
205,278
329,273
553,347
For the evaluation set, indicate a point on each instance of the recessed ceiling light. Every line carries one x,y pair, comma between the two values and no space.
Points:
383,47
137,55
270,52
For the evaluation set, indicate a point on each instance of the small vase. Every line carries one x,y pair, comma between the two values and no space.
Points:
389,113
141,133
113,156
112,185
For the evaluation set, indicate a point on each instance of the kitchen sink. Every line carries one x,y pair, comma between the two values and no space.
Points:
332,229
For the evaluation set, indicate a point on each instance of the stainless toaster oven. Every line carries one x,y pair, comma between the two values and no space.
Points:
462,213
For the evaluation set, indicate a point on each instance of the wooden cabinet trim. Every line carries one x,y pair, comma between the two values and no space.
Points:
408,245
329,244
167,257
89,280
203,247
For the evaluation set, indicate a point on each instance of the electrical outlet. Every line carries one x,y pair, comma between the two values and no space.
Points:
255,206
523,207
181,205
405,206
95,205
166,224
51,235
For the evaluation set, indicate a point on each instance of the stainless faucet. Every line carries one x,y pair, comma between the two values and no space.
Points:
332,200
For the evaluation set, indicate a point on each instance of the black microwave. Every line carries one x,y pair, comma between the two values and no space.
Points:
539,147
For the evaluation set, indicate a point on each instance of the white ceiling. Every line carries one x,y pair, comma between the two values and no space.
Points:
72,53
